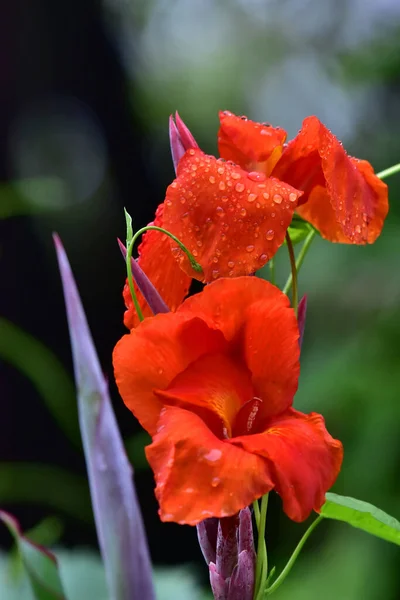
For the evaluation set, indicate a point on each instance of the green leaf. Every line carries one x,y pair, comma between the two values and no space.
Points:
362,515
40,564
47,485
129,230
45,371
298,229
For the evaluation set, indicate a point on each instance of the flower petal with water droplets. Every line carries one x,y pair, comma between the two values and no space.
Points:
232,221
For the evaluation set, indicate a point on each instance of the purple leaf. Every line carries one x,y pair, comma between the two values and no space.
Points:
301,317
117,514
144,284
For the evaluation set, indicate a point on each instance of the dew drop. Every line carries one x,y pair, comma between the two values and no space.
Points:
215,259
199,243
194,252
250,248
220,211
243,212
358,229
183,200
221,185
256,176
272,214
236,175
194,167
277,198
263,258
174,184
266,195
231,264
215,481
211,179
221,170
239,187
292,197
168,202
251,197
191,151
215,274
270,234
224,198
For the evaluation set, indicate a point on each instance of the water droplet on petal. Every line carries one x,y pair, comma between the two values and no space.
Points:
251,197
236,175
220,211
168,202
215,481
358,229
239,187
211,179
266,195
221,170
191,151
221,185
277,198
199,243
249,248
270,234
215,274
292,197
231,264
194,252
243,212
256,176
183,200
263,258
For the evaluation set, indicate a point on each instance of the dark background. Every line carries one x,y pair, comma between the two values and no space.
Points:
86,91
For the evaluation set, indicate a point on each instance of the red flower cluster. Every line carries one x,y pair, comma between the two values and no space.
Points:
213,384
232,213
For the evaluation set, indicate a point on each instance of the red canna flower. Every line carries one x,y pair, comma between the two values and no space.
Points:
343,198
213,384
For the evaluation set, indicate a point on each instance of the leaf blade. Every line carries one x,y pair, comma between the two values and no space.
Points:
362,515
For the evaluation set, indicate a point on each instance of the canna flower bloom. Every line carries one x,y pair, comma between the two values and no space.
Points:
213,384
232,213
342,197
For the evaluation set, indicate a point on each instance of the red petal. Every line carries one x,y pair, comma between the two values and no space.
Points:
153,354
256,318
213,383
253,146
157,261
305,460
343,197
232,221
199,475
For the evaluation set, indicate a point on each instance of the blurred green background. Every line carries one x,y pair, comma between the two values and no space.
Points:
87,89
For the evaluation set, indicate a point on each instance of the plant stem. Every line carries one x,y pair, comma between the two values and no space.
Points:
256,510
300,259
293,558
194,264
295,294
388,172
262,557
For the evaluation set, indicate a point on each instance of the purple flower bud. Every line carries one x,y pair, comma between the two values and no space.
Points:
227,545
241,584
180,139
246,538
207,535
144,284
218,584
301,317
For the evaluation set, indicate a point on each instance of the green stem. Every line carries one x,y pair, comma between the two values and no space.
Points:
256,510
272,271
295,294
262,557
300,258
388,172
194,264
293,558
